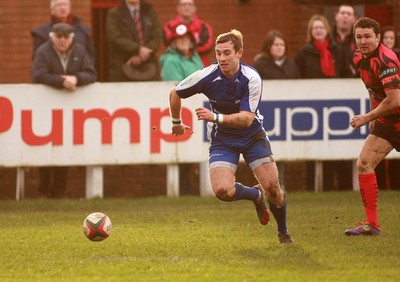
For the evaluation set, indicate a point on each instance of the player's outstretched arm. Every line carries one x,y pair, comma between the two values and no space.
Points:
175,107
387,106
175,104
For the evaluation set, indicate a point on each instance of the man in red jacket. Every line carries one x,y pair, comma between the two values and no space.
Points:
199,29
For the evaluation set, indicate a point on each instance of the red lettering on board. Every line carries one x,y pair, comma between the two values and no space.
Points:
156,135
6,114
106,120
55,137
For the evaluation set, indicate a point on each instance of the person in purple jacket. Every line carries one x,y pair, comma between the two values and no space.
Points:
234,127
62,64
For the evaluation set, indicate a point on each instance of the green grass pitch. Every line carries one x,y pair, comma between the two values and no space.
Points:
198,239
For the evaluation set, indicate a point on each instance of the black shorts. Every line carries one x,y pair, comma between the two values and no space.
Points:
388,134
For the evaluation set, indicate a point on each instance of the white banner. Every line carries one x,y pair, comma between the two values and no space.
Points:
129,123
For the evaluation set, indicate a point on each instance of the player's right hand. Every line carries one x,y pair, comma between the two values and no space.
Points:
358,121
179,129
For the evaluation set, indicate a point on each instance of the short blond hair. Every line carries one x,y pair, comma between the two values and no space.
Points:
234,36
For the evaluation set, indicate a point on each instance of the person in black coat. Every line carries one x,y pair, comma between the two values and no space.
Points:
61,13
60,63
272,62
345,17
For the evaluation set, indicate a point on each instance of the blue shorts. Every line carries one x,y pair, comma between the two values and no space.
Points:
255,151
389,135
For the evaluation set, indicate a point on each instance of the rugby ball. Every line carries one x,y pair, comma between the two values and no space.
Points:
97,226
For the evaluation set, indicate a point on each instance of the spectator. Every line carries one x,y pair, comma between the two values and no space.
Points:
345,17
273,63
61,13
319,58
62,64
179,61
201,31
389,38
134,34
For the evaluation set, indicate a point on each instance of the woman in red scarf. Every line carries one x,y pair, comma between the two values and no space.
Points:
320,56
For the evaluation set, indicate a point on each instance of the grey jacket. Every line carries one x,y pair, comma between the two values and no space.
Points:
82,35
47,68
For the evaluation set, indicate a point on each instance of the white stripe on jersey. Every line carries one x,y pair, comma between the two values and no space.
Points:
255,86
196,77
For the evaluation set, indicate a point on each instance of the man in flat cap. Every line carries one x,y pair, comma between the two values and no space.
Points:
62,64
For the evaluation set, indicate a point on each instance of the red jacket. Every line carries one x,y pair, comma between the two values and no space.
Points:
199,29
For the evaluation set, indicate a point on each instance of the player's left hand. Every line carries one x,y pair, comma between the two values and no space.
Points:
204,114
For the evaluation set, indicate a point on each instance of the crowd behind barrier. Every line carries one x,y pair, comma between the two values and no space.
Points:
128,123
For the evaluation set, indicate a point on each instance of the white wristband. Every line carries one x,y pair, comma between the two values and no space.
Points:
220,118
176,121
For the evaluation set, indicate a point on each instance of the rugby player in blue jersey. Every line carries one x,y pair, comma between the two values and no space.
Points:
234,127
379,69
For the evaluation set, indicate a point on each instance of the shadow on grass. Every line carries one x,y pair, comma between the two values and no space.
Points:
286,256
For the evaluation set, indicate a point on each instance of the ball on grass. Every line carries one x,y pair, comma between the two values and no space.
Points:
97,226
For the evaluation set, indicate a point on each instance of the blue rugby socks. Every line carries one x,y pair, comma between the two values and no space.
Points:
245,192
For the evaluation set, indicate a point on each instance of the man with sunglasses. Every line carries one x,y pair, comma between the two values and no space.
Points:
62,64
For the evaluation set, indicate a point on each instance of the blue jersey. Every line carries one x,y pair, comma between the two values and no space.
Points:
242,92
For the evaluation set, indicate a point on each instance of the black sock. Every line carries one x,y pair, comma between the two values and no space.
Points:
279,213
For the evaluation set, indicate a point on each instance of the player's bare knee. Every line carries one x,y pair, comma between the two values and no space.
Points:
275,194
363,166
222,194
